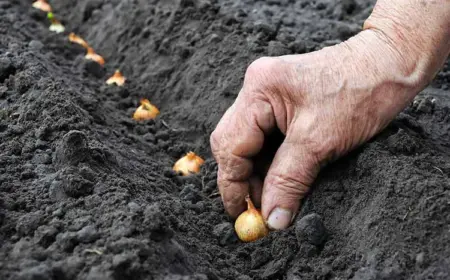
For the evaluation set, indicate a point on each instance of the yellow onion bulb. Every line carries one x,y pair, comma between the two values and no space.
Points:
146,111
250,225
91,55
117,79
78,40
57,27
188,164
42,5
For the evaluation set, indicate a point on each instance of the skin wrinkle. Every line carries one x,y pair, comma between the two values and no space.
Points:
237,168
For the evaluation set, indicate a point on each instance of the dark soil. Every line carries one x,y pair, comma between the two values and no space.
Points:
88,193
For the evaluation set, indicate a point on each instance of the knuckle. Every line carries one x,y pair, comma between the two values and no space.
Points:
259,66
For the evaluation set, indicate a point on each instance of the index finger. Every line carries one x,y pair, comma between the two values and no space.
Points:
237,138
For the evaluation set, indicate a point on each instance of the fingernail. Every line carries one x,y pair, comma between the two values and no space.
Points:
279,219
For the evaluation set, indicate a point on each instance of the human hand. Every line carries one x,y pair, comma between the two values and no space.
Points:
325,103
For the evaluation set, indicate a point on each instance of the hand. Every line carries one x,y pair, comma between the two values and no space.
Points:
325,103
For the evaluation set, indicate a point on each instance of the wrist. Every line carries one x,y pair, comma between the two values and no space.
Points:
418,50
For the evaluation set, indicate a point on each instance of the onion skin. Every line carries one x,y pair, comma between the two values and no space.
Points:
250,225
190,163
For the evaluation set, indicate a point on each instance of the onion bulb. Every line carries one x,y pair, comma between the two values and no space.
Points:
78,40
56,26
91,55
42,5
117,79
147,111
188,164
250,225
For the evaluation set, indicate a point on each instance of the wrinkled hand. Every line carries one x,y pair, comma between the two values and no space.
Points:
325,103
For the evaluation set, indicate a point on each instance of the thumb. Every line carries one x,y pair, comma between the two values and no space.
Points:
292,171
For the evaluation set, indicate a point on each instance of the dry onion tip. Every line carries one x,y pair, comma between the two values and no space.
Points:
56,25
188,164
250,225
147,111
42,5
78,40
117,79
91,55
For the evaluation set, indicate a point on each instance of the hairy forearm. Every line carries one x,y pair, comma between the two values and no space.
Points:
419,33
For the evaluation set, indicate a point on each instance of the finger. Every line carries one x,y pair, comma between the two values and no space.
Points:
232,179
290,175
237,138
256,186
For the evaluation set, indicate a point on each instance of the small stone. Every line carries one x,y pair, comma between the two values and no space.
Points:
311,229
225,233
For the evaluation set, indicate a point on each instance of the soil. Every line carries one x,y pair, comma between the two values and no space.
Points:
88,193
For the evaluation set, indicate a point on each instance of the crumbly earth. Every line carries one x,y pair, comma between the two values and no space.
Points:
88,193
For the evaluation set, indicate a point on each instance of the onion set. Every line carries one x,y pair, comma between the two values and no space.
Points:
78,40
117,79
188,164
147,111
56,25
91,55
250,225
42,5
